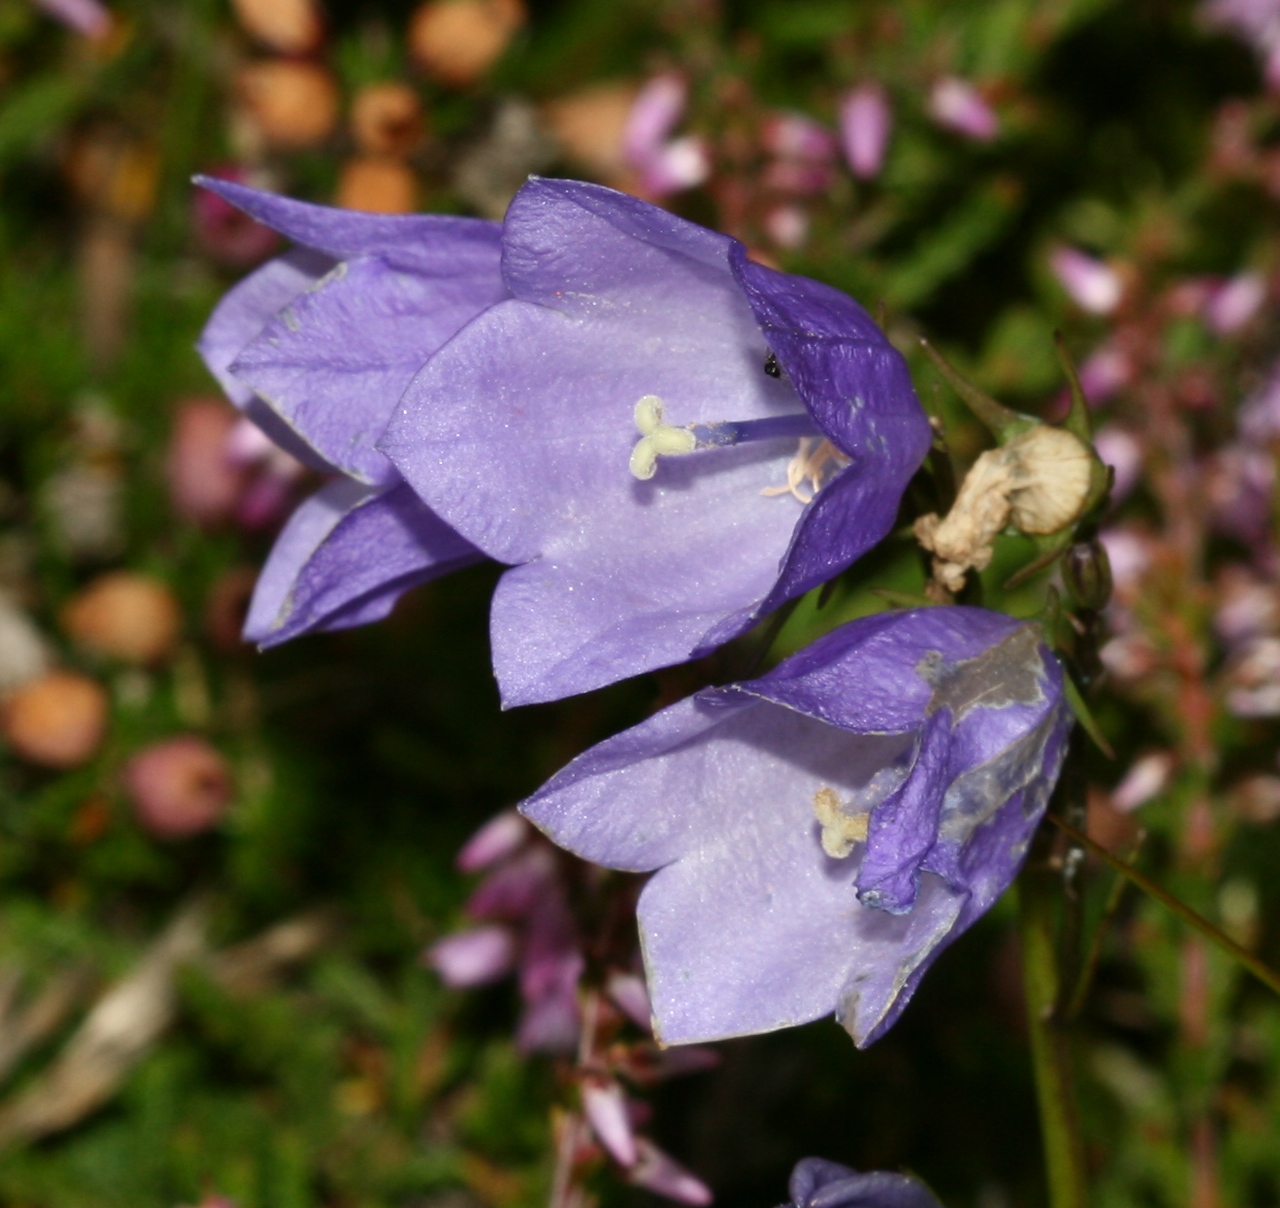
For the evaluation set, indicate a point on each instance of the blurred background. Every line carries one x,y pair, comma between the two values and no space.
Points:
225,877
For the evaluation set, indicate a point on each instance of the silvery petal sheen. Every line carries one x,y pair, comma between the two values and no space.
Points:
918,748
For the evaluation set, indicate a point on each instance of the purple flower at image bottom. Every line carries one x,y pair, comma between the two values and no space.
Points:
316,347
664,439
817,1183
819,835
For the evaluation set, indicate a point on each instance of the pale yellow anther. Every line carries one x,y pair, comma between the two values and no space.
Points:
840,831
656,438
814,462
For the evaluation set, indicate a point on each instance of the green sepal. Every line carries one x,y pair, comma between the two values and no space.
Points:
1086,719
1003,423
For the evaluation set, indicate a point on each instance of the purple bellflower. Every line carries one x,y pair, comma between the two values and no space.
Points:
817,1183
822,833
665,439
316,348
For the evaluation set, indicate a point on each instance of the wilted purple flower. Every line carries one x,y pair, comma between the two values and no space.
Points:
1234,302
1091,284
316,347
865,122
546,433
86,17
959,106
822,833
817,1183
665,165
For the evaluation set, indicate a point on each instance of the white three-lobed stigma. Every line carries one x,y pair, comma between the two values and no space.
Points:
656,438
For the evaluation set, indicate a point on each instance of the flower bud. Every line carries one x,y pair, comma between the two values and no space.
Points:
386,119
204,483
179,787
293,27
865,121
124,616
377,185
959,106
1086,574
457,41
292,104
58,720
473,958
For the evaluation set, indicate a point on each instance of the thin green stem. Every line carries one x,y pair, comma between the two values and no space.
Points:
1050,1050
1263,972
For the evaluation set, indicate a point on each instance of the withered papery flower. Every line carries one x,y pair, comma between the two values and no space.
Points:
819,835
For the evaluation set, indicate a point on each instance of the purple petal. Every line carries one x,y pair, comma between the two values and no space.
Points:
436,245
336,359
747,925
616,299
248,307
322,573
817,1183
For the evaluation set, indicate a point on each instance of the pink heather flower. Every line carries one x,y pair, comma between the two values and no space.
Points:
629,995
1143,781
1129,553
224,230
1121,451
1091,284
1259,418
527,928
1249,606
473,958
605,1107
665,165
497,840
1240,483
787,226
179,787
274,474
865,122
1234,303
1254,679
795,136
84,16
204,485
661,1173
959,106
1106,371
1254,21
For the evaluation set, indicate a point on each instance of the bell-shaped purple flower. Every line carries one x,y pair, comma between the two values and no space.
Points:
666,439
822,833
817,1183
317,347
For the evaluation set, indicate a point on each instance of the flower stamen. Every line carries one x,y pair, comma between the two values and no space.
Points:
813,463
840,831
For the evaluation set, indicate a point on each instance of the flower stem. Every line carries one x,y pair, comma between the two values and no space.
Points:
1050,1050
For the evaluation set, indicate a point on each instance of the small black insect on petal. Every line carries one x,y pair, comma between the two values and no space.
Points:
771,366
